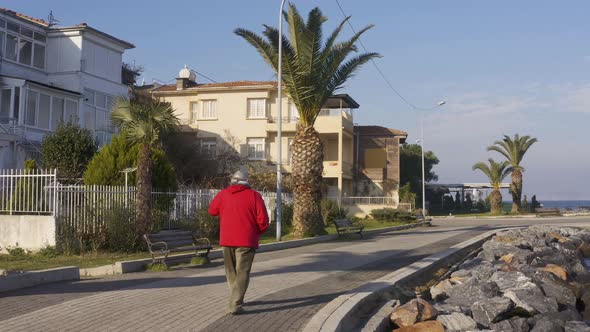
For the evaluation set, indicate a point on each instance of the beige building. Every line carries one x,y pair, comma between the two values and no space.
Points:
248,112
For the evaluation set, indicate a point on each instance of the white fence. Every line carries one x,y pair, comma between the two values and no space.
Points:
27,191
367,200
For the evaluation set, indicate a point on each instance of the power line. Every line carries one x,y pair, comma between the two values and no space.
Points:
412,106
210,79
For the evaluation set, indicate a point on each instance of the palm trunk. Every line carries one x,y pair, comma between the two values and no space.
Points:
516,190
496,201
144,190
308,156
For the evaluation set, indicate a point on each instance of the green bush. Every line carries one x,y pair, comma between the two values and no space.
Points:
202,224
157,267
121,234
389,214
48,252
17,252
67,241
331,211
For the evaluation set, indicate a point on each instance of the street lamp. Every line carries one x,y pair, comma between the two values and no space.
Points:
280,124
127,171
440,103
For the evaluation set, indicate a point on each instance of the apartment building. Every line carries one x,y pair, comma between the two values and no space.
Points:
51,74
248,111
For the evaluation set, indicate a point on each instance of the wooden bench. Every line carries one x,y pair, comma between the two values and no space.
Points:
421,218
548,212
345,226
161,244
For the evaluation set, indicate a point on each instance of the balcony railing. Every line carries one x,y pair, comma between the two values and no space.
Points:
8,125
285,119
367,200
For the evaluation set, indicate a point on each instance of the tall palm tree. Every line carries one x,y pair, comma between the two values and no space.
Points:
514,150
143,120
496,172
313,70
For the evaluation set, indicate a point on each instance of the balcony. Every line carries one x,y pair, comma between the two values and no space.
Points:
288,124
328,121
333,169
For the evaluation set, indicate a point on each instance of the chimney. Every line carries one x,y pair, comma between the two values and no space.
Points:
185,78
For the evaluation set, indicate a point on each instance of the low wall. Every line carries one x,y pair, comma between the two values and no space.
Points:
363,210
27,232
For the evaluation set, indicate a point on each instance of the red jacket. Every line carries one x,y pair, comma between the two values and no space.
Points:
242,216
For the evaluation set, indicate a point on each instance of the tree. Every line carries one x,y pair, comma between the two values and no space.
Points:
514,149
411,167
69,149
312,71
130,73
496,173
107,165
143,120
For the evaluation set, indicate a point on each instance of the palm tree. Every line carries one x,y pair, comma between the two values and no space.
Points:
313,71
496,172
143,120
514,150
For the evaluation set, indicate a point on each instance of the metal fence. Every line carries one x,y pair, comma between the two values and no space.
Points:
25,191
367,200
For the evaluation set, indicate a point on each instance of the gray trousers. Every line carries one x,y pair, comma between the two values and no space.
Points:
238,263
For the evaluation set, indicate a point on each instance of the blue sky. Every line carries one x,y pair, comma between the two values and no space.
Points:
503,67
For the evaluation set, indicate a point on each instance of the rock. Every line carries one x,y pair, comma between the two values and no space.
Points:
508,258
564,315
438,292
457,322
471,291
444,308
576,326
429,326
547,325
532,300
557,270
519,324
555,237
417,310
567,248
555,287
477,267
491,310
585,299
502,326
457,280
510,280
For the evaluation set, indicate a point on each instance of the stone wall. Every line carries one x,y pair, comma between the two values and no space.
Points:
27,232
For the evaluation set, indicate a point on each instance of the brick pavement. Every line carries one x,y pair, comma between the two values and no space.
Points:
286,289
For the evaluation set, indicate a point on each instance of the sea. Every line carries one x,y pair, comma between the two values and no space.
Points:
567,205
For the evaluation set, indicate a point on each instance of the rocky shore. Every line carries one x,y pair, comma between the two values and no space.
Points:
531,279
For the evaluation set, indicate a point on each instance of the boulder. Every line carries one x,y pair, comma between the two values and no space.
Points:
444,308
576,326
508,258
564,315
585,299
555,287
510,280
584,249
519,324
417,310
476,267
438,292
502,326
490,311
471,291
457,322
547,325
532,300
556,269
429,326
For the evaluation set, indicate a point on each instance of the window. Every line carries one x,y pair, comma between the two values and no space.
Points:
39,59
256,149
293,114
208,148
44,111
11,49
208,110
22,44
57,112
96,110
26,52
71,111
5,105
194,112
31,117
256,108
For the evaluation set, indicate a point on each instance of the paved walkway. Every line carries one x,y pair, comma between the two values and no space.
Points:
286,289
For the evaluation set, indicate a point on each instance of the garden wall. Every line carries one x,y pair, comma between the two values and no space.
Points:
27,232
362,210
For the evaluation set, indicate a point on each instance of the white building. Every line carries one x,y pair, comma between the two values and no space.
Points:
50,75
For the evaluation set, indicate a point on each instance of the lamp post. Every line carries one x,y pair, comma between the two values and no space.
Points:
127,171
422,148
280,124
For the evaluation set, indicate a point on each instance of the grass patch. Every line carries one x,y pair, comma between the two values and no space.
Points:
199,260
157,267
34,262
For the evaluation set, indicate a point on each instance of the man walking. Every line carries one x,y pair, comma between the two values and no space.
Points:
243,218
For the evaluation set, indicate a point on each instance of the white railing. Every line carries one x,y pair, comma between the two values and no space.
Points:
27,191
368,200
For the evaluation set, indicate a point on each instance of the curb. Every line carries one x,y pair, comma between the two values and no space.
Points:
34,278
342,311
140,264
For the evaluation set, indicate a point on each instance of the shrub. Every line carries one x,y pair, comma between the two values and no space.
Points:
287,215
67,241
17,252
48,252
331,211
121,234
388,214
202,224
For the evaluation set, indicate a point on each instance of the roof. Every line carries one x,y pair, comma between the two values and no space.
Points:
341,100
24,17
86,27
233,84
378,131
